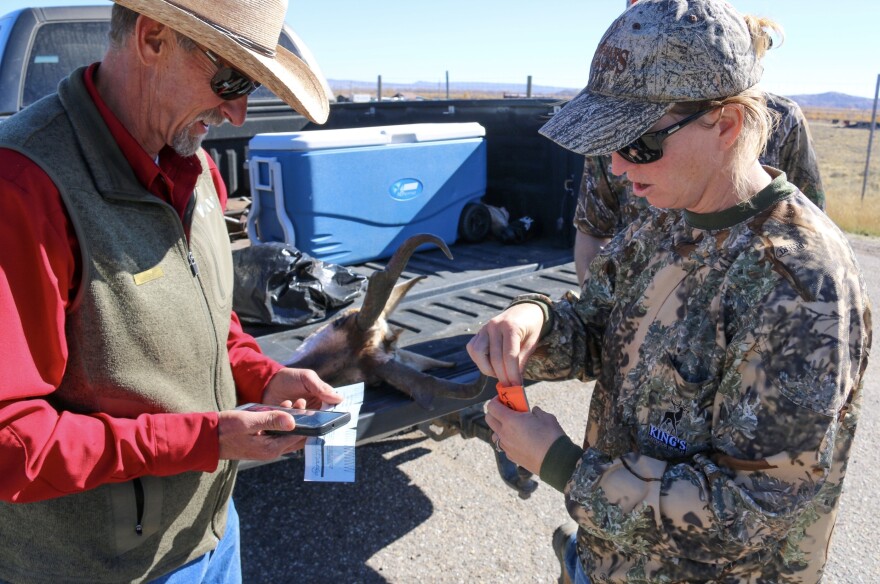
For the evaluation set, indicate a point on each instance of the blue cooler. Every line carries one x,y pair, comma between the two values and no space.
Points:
353,195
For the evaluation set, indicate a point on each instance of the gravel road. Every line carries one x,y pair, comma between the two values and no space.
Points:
437,511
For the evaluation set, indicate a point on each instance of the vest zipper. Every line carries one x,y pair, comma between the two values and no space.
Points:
139,502
193,266
186,226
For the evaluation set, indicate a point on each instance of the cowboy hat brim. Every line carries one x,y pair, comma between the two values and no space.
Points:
285,74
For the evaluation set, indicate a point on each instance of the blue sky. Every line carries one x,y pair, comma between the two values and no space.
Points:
829,46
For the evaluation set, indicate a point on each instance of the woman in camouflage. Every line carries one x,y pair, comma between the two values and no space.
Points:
727,328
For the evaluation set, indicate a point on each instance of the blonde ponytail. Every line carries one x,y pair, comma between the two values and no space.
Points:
760,29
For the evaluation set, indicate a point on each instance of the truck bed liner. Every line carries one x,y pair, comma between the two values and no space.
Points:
440,315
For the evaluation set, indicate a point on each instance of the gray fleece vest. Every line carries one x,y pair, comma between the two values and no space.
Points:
146,334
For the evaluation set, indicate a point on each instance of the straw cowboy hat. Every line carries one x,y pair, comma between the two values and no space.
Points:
245,34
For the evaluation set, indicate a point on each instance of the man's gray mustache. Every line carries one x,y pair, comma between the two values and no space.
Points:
211,118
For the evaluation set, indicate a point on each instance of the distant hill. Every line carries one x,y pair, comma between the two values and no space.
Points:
833,100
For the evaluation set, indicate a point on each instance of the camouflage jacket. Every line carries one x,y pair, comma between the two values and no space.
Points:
606,204
728,351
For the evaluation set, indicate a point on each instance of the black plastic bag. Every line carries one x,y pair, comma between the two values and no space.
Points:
275,283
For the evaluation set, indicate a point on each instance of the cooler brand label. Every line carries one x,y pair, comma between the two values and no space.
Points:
406,189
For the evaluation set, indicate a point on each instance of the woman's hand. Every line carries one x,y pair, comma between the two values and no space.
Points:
504,344
524,436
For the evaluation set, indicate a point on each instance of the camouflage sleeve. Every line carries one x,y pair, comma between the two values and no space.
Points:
780,412
798,160
790,149
561,352
571,347
598,211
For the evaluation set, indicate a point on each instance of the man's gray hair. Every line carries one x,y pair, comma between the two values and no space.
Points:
122,22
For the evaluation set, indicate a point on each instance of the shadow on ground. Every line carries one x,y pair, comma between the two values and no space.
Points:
293,531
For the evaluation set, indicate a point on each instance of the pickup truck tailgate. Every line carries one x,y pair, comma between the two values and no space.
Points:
440,315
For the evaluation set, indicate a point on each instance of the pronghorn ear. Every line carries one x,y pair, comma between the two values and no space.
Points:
397,294
382,283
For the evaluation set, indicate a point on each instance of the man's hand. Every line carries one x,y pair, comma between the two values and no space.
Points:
242,435
299,388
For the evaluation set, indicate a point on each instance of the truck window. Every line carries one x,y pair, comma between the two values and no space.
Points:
58,49
264,93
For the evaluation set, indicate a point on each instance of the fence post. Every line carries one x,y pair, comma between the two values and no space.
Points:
379,89
871,137
447,85
529,86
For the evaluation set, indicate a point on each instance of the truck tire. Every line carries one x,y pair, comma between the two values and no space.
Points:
474,223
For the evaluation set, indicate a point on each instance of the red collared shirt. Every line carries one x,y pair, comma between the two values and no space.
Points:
44,453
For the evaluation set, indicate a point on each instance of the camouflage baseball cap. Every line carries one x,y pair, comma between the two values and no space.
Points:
657,53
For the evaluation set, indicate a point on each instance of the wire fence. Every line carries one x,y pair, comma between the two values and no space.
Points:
383,90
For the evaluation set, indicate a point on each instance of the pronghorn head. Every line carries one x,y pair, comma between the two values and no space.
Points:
359,345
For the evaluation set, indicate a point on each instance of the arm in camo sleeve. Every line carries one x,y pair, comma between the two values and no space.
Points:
790,149
601,199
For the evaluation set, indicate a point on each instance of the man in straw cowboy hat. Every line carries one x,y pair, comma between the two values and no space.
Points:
122,360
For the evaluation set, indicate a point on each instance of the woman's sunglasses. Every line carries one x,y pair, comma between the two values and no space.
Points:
228,83
648,147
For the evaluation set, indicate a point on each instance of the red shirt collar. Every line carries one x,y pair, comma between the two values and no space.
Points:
172,180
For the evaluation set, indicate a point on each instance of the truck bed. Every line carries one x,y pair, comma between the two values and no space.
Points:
440,315
527,174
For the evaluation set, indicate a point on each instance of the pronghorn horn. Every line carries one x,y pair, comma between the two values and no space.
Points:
423,388
381,283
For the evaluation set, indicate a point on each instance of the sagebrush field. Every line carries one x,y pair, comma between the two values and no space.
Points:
842,155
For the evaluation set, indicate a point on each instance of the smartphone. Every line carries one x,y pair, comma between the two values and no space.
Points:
308,422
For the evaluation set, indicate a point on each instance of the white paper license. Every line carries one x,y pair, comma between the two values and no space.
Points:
331,457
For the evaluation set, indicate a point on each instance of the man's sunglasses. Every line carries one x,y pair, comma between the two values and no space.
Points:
228,83
648,147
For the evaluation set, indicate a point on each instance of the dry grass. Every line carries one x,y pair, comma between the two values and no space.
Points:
842,153
835,115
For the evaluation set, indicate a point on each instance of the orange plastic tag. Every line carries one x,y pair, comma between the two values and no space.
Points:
513,397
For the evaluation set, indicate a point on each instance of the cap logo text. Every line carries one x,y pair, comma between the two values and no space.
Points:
609,58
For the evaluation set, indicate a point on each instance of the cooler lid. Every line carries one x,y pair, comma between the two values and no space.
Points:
371,136
319,139
432,132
